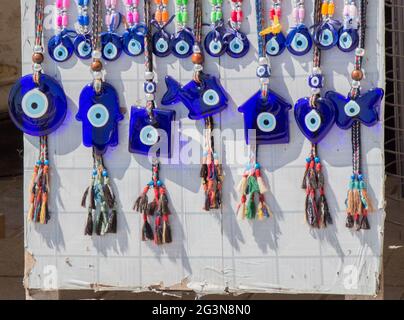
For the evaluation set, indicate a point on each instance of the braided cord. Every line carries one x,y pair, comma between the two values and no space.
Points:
96,25
259,14
198,20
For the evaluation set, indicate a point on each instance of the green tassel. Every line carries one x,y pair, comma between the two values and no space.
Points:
251,209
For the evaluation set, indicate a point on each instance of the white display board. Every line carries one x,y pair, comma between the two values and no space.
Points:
211,252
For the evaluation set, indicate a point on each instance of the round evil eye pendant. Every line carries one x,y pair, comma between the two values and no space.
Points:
299,41
214,43
133,41
237,44
111,46
37,109
161,44
181,44
275,44
326,34
348,39
82,46
60,47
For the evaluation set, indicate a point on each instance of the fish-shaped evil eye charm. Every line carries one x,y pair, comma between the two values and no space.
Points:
326,34
99,114
364,108
133,40
214,42
316,122
348,39
60,47
161,43
237,44
82,46
181,44
202,99
145,131
37,109
269,117
275,44
111,46
298,40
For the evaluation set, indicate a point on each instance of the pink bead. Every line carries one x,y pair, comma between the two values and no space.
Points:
107,3
128,2
66,3
346,10
59,21
58,4
353,11
108,20
65,20
129,17
302,13
136,2
113,3
136,17
295,14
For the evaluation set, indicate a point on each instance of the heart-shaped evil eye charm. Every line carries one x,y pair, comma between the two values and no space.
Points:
299,41
161,44
82,46
266,122
111,46
214,44
326,34
133,40
348,39
237,44
60,47
181,44
275,44
37,109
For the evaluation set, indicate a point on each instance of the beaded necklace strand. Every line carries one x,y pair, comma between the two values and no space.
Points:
82,41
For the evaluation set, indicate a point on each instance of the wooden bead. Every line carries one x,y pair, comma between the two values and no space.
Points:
197,58
357,75
96,65
37,57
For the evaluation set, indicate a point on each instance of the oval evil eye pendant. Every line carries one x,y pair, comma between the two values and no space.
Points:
215,46
298,40
111,46
37,109
60,47
181,44
325,35
82,46
133,40
237,44
275,44
161,43
348,39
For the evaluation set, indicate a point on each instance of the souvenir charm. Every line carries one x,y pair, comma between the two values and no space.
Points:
326,31
133,37
351,111
348,34
237,44
266,114
60,46
82,42
299,40
214,43
315,116
161,38
99,113
182,42
111,41
37,106
274,38
149,126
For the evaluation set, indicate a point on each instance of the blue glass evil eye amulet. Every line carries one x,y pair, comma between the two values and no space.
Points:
298,40
181,43
60,46
133,40
275,44
237,44
99,114
348,39
214,43
82,46
326,34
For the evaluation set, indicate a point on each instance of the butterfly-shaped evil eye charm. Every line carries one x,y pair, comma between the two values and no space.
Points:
133,40
146,132
316,122
111,46
60,47
82,46
269,117
298,40
365,108
37,109
99,114
214,42
348,39
326,34
275,44
237,44
181,43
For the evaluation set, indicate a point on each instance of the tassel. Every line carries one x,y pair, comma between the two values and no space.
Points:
262,187
260,214
311,209
242,186
112,222
166,230
151,208
147,231
44,209
164,202
319,175
98,224
324,210
204,171
157,231
206,207
89,225
141,202
92,198
306,172
84,198
265,208
312,177
251,210
349,221
364,221
241,208
364,195
109,198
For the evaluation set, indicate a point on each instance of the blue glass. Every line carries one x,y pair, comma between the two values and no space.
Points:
237,44
133,40
82,46
181,44
326,33
298,40
268,116
348,39
111,46
60,46
99,114
275,44
145,132
364,108
161,43
314,123
37,109
214,43
201,99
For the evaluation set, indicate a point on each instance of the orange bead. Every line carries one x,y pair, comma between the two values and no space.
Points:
96,65
197,58
157,16
165,2
37,57
357,75
164,16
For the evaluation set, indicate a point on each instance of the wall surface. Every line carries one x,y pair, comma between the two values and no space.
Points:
211,252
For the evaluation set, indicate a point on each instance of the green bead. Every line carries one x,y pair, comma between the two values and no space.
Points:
362,185
178,2
219,15
185,17
351,185
213,17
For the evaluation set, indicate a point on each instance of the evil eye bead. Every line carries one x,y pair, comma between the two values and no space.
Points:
312,121
35,104
161,46
266,122
352,109
134,47
149,87
348,40
326,39
60,53
300,44
182,48
236,45
98,115
316,81
149,135
211,97
215,47
263,71
272,47
83,50
345,40
110,51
